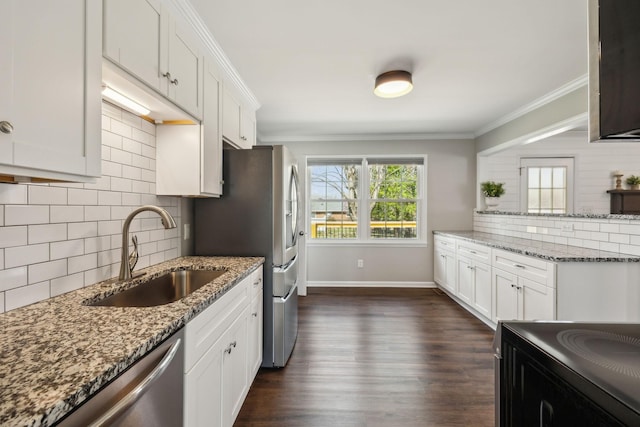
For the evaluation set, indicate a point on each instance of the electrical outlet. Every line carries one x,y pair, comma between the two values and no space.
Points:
187,232
566,227
360,263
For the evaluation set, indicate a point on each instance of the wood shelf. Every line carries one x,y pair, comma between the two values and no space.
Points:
626,202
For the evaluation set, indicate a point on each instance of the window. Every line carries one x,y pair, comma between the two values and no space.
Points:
546,185
381,203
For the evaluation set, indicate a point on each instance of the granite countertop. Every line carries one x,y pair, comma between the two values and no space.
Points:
56,353
548,251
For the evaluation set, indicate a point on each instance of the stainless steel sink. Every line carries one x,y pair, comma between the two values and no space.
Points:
161,290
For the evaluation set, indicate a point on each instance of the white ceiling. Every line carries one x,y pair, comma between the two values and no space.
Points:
312,64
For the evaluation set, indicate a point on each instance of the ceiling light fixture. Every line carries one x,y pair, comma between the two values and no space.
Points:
393,84
124,101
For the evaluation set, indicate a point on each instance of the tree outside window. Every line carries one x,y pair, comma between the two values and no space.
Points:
388,210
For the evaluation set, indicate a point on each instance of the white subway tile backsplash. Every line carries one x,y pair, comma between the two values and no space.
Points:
45,195
110,139
67,249
13,277
13,236
82,263
25,214
58,237
109,227
97,244
83,197
67,214
25,295
131,146
611,235
121,184
120,128
25,255
97,213
47,270
109,198
66,284
13,194
82,229
46,233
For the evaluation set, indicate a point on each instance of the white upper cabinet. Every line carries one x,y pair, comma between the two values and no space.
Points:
143,38
132,37
238,122
50,108
183,72
189,157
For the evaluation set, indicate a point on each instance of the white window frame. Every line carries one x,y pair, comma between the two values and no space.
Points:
526,162
362,203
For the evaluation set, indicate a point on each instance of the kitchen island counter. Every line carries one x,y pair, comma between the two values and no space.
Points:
538,249
58,352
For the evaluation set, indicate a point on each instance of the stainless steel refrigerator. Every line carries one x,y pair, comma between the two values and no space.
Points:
258,215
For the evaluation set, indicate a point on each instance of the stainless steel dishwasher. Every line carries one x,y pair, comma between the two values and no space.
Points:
149,393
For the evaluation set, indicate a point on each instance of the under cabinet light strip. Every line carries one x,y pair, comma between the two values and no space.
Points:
124,101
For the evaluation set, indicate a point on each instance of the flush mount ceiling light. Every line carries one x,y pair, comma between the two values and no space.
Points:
393,84
123,101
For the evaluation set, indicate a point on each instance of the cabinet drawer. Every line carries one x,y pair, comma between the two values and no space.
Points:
474,251
444,243
256,282
524,266
205,329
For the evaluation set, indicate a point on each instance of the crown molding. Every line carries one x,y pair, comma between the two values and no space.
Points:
202,31
272,139
546,99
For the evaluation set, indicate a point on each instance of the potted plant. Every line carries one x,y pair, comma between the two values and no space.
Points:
634,182
492,191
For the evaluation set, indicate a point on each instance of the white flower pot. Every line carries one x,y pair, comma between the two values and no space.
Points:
492,203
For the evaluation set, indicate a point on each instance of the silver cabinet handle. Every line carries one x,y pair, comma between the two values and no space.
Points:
255,314
6,127
519,266
168,76
135,394
231,347
473,252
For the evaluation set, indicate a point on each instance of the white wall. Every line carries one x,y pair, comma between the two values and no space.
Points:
594,164
55,238
451,182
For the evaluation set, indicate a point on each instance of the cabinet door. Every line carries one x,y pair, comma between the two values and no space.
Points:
538,301
247,128
50,85
230,117
255,336
439,267
235,383
506,295
132,30
184,65
465,279
482,289
203,389
211,132
450,272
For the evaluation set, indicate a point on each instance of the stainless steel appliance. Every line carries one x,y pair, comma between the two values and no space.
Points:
258,215
149,393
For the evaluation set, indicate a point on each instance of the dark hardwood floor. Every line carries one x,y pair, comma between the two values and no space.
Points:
379,357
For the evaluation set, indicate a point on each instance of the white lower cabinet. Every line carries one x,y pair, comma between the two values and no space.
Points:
219,357
445,263
518,298
255,324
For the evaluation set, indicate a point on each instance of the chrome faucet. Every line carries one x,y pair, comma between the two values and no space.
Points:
126,267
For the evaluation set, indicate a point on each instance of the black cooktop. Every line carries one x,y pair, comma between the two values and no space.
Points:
608,355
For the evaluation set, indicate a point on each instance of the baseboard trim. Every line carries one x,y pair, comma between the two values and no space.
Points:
354,284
